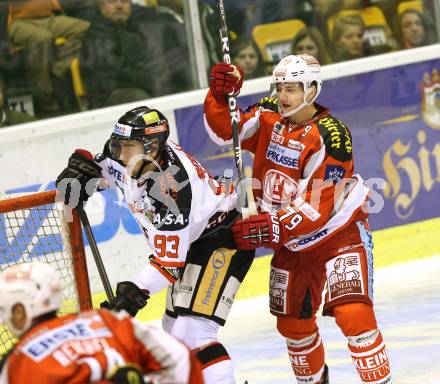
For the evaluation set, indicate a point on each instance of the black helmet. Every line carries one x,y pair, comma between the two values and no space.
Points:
142,124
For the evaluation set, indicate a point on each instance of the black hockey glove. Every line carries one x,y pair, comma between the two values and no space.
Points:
127,374
128,297
74,180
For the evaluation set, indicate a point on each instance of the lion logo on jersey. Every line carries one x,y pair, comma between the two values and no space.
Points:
345,278
340,273
430,88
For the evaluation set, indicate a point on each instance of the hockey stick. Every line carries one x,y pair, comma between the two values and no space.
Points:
251,208
95,252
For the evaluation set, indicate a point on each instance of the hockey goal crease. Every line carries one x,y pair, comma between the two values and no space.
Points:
35,228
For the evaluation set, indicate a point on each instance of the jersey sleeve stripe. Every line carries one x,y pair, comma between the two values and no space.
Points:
250,127
164,273
173,264
212,135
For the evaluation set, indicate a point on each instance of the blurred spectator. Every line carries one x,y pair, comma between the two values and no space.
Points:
348,38
389,9
34,25
7,115
271,11
393,8
309,40
355,4
209,25
245,54
82,9
166,29
429,6
322,10
118,63
415,29
244,15
5,43
377,34
12,64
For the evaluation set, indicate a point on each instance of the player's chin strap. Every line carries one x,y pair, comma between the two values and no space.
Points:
146,160
299,107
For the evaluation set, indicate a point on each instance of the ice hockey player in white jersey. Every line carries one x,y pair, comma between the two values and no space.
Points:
186,216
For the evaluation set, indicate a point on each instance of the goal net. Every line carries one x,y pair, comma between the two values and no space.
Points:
35,228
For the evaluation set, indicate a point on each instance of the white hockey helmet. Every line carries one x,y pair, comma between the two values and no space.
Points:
35,286
304,69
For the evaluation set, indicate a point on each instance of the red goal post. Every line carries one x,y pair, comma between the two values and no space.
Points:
33,227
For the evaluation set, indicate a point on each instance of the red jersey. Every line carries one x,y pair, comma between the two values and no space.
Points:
306,171
87,347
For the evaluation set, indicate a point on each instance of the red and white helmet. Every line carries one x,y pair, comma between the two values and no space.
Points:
304,69
35,286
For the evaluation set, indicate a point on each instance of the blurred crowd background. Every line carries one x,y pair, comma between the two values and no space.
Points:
65,56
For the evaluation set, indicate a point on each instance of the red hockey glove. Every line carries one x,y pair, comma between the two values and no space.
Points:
225,79
256,231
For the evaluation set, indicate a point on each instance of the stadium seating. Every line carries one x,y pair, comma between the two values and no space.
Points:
410,4
274,39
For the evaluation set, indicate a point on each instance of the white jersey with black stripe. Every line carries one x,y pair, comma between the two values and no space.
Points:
173,207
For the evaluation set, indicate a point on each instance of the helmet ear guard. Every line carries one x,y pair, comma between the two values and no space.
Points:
308,90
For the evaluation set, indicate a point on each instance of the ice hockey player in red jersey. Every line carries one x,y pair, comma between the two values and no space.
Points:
311,213
186,217
90,347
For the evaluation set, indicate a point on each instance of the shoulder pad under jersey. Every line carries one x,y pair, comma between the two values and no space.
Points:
171,192
267,102
337,138
100,157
